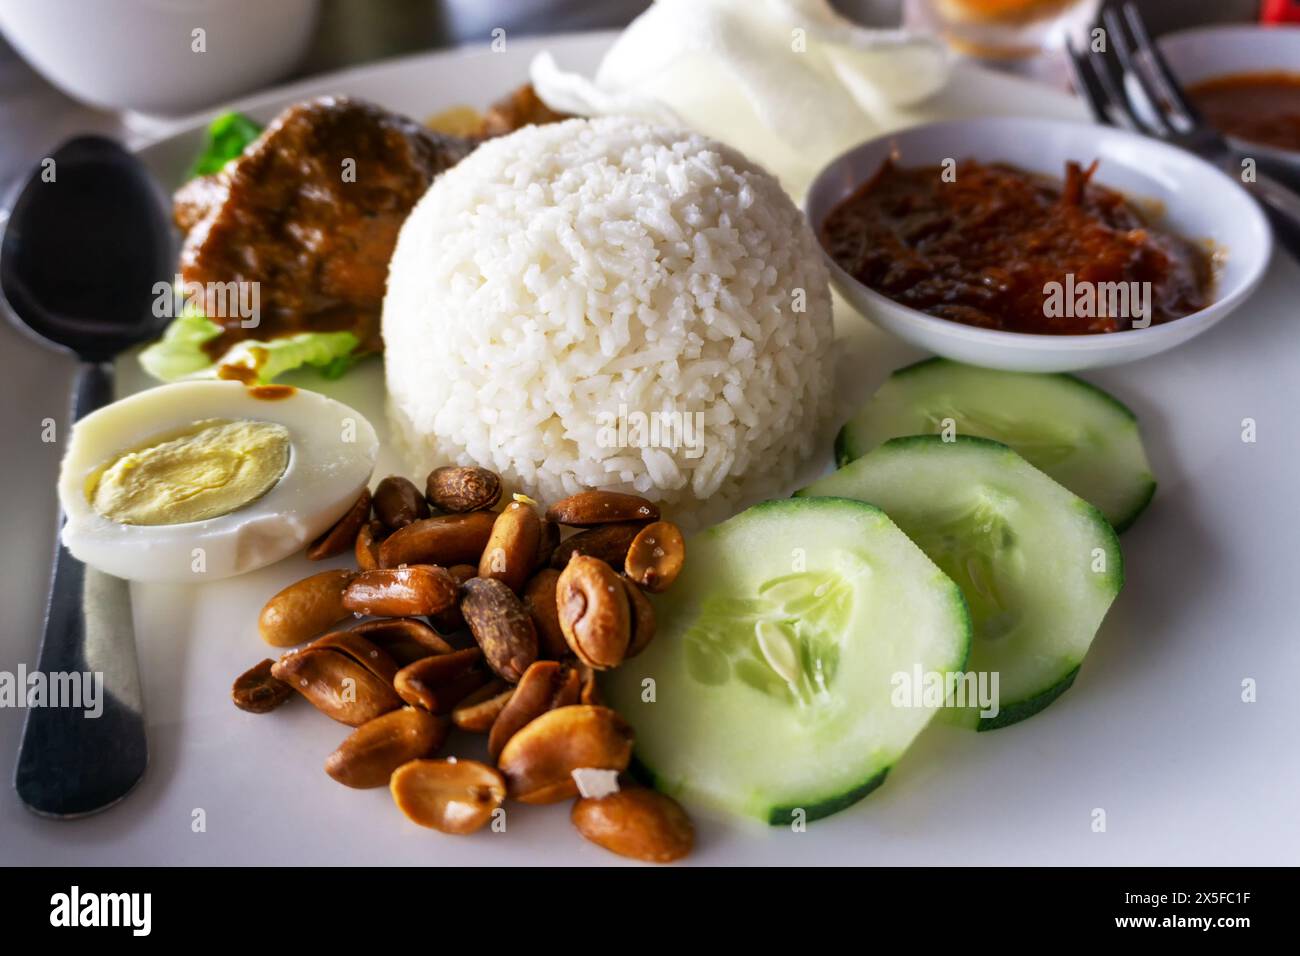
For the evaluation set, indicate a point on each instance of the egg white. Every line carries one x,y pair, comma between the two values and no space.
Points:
325,474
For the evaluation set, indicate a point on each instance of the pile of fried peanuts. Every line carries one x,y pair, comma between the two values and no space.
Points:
480,617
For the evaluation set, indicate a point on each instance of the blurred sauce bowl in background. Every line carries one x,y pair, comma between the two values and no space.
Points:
140,55
1240,52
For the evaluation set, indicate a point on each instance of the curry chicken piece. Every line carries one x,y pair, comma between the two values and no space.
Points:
311,212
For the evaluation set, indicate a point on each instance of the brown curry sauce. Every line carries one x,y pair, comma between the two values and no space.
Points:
272,393
981,246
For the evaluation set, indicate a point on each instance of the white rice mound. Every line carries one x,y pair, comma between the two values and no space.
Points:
572,277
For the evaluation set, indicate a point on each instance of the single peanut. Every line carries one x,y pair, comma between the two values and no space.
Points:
512,547
539,601
656,556
479,711
401,592
638,823
544,686
366,549
343,535
406,639
594,612
258,691
336,685
643,619
463,572
500,625
538,760
458,489
588,508
398,502
609,542
370,754
547,542
304,609
444,540
357,646
440,682
454,796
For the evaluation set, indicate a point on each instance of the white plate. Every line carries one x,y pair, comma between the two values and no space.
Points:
1154,731
1195,200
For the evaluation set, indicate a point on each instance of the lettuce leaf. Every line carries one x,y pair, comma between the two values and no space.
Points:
179,353
328,352
227,136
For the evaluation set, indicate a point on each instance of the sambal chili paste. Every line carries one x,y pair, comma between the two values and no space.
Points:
991,245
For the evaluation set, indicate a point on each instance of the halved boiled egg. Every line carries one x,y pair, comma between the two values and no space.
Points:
202,480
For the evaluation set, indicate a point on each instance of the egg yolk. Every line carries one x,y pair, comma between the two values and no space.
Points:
208,469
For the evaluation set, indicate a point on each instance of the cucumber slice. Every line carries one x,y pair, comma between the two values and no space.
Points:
1038,565
1083,437
774,655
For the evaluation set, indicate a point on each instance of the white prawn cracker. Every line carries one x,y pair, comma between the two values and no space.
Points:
789,82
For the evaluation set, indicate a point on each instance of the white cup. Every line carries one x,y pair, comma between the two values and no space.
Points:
165,57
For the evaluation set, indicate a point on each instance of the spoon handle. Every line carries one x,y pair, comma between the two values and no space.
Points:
83,747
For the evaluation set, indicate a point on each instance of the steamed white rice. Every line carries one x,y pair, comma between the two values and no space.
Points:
562,285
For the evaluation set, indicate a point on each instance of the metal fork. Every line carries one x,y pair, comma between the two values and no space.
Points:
1129,84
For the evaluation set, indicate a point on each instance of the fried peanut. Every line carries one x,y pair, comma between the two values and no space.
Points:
258,691
500,625
547,542
638,823
539,601
366,549
609,542
479,711
440,682
304,609
458,489
443,540
336,685
398,502
406,639
343,535
643,619
594,612
511,549
463,572
545,686
454,796
538,760
401,592
656,556
370,754
357,646
588,508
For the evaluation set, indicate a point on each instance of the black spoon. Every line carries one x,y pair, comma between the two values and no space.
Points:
86,240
